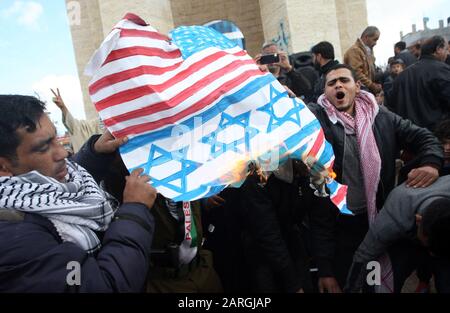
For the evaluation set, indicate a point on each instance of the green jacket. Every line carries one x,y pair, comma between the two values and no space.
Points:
168,229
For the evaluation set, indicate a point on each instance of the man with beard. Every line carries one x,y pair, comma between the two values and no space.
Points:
59,231
323,58
366,140
415,49
421,93
360,57
284,71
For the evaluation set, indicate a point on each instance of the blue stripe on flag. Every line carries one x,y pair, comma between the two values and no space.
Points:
327,154
290,142
332,187
305,131
188,196
221,106
345,210
212,190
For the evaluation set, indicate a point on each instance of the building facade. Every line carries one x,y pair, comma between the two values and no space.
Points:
295,25
417,36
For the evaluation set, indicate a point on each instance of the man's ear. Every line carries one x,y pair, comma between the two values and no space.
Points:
5,167
358,86
318,57
418,219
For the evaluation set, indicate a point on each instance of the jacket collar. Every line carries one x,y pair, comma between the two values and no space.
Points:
429,57
363,46
327,66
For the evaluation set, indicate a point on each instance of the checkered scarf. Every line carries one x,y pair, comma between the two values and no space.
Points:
77,208
366,109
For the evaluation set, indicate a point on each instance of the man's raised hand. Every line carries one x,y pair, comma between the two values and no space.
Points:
108,144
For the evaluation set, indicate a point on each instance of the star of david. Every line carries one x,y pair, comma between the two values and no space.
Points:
217,148
164,156
292,115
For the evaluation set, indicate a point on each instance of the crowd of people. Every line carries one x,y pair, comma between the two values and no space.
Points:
390,133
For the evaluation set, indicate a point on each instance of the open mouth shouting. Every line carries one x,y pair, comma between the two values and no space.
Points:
340,95
341,100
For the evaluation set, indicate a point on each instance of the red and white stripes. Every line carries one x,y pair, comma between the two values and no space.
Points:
144,84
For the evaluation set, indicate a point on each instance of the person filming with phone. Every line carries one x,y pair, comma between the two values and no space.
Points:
274,60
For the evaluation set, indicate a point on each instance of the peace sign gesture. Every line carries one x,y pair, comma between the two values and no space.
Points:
57,99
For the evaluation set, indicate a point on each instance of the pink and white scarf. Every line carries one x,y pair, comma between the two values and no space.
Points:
361,124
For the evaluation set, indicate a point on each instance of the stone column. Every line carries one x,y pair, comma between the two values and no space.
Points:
157,13
352,20
275,21
97,19
312,21
244,13
86,38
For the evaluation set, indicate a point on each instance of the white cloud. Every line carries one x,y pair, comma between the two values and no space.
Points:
69,87
26,13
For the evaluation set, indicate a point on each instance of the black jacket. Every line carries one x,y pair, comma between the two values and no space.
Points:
421,93
392,133
274,218
263,239
311,75
33,257
319,85
295,81
407,57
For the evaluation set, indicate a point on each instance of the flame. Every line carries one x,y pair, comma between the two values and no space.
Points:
332,174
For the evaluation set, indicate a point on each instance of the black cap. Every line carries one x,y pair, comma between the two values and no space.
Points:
397,61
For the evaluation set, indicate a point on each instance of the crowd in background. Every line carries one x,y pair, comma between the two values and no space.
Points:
390,132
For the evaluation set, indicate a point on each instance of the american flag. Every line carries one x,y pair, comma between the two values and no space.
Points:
196,109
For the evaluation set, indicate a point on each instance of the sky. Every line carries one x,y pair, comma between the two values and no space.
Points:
393,16
36,54
36,51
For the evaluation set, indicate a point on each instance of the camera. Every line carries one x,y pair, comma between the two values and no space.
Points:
269,58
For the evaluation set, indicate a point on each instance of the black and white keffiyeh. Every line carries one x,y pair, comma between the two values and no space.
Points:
77,207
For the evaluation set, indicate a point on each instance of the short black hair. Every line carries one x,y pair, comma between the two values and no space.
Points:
17,112
432,44
442,130
436,226
397,61
325,49
339,66
400,45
